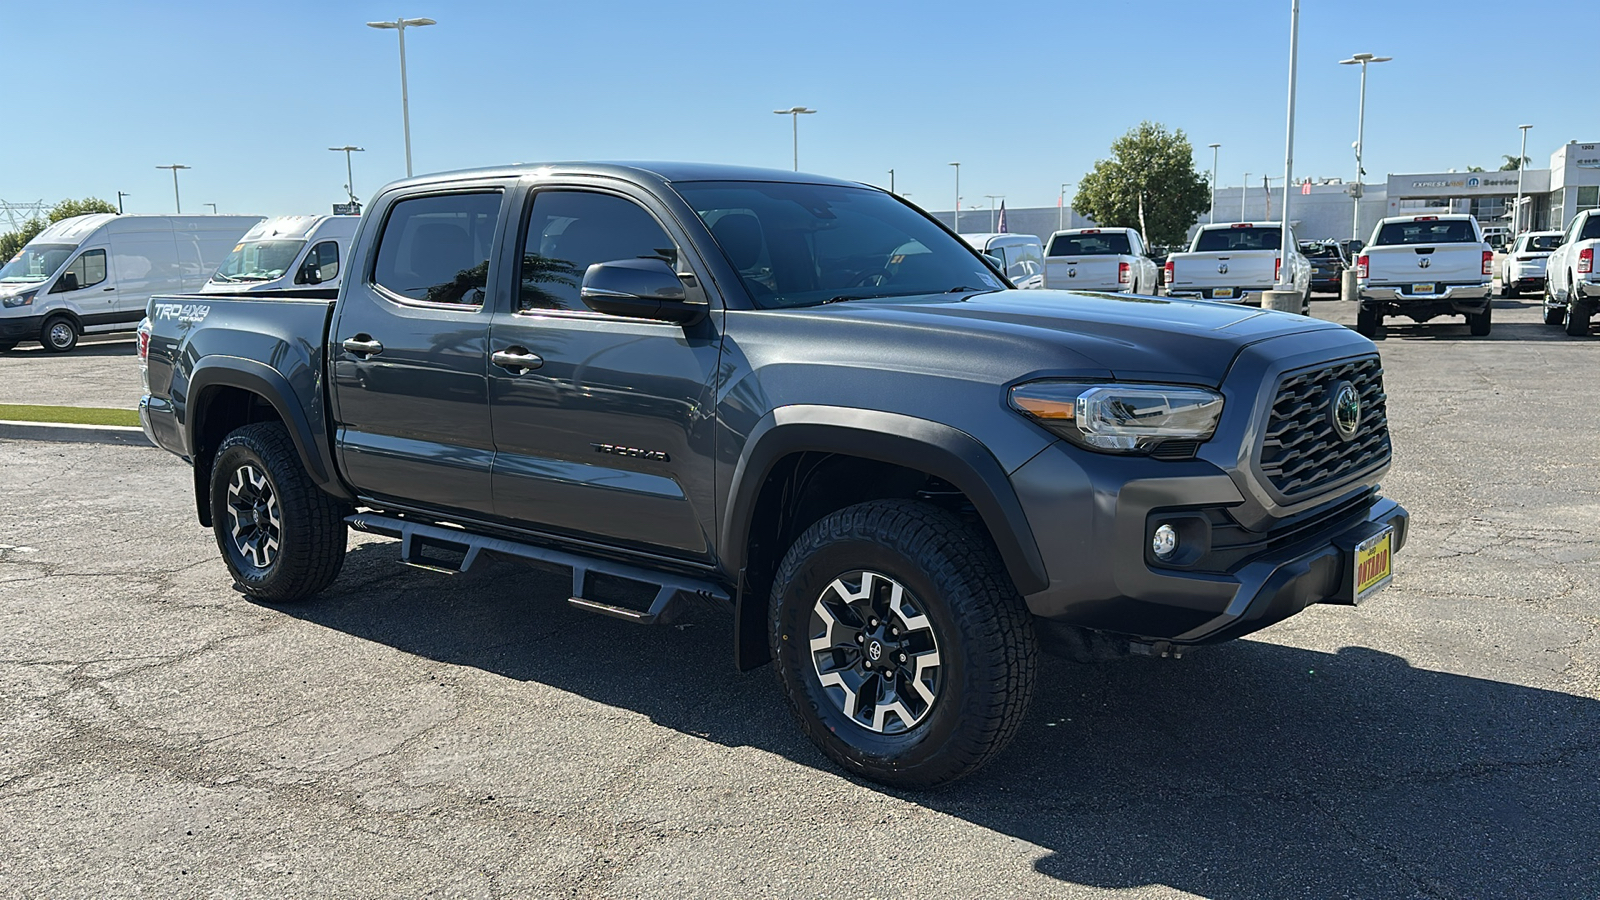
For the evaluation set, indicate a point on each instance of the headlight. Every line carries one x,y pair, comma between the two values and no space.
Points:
1120,418
23,299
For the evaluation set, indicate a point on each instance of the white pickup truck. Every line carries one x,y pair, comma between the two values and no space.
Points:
1572,284
1100,259
1237,263
1422,267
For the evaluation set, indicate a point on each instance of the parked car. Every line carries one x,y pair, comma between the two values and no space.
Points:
1236,263
1572,285
1522,266
1328,264
1020,255
898,474
286,252
1423,267
95,273
1100,259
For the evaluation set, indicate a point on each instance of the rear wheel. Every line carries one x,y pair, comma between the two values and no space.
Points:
59,334
1577,322
1508,290
281,536
904,651
1367,321
1553,315
1480,323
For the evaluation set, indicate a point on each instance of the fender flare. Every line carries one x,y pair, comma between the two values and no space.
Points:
257,378
938,449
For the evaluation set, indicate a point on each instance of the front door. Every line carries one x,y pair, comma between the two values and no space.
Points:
602,425
89,291
409,349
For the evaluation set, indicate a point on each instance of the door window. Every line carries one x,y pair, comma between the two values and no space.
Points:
1023,261
87,270
324,259
569,231
436,249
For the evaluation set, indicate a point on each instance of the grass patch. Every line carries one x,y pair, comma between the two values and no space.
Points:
68,415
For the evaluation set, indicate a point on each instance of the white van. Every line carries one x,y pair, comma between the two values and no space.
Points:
286,252
1021,255
95,273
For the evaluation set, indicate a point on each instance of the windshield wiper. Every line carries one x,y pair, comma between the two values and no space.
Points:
252,278
223,277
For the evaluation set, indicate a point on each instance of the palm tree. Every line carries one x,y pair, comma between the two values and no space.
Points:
1511,162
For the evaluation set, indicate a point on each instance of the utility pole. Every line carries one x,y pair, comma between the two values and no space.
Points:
176,200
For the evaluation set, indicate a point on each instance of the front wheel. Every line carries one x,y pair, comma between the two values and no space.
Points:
904,651
59,334
282,537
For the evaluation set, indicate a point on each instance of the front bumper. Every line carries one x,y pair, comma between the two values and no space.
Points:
20,328
1095,541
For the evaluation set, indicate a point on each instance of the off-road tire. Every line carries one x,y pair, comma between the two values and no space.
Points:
310,534
984,634
1367,323
59,334
1577,323
1480,323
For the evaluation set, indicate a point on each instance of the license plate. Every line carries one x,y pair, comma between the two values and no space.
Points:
1422,288
1222,294
1374,564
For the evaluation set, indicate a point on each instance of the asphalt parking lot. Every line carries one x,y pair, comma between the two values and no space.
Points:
472,736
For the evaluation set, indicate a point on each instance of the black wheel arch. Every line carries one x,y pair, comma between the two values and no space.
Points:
935,449
225,393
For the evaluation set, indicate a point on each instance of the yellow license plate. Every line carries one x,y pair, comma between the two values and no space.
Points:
1374,564
1222,294
1422,288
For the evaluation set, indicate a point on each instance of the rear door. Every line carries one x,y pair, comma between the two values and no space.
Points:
408,350
605,426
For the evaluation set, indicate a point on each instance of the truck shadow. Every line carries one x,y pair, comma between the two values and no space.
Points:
1247,770
1447,330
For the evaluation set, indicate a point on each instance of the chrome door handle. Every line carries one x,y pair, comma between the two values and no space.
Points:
517,360
362,345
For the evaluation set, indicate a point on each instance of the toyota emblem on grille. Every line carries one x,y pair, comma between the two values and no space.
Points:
1422,262
1222,268
1345,410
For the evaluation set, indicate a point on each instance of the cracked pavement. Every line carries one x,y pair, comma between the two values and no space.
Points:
472,736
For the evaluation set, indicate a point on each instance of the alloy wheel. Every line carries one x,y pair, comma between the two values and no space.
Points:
255,520
875,653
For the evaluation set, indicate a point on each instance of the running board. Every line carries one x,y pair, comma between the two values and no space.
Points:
421,543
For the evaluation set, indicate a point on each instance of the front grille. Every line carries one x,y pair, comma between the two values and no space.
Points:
1301,452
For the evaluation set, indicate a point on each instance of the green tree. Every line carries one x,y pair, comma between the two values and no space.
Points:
1474,168
1149,183
13,241
1511,163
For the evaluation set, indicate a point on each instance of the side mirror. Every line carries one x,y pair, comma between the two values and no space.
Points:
67,282
997,261
638,289
310,272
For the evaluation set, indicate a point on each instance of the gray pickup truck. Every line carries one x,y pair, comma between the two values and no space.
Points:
800,399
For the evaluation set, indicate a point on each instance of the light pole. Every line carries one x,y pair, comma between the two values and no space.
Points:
956,222
176,200
992,198
350,185
213,207
891,181
1288,150
1061,207
794,114
1213,182
1361,124
120,195
1516,211
1244,197
400,25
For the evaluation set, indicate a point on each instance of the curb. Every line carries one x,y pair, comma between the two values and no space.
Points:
77,434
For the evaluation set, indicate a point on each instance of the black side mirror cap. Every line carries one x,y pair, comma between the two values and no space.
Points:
67,282
638,289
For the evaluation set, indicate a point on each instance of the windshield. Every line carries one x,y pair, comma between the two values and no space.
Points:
258,261
807,244
1211,240
35,263
1542,243
1428,231
1113,243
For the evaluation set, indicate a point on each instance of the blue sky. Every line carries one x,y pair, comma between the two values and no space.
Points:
1026,96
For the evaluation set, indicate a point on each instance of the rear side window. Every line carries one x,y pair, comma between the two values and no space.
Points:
569,231
1591,230
1231,239
1453,231
86,271
1110,244
1543,243
436,249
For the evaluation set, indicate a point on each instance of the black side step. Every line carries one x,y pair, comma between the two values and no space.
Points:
417,539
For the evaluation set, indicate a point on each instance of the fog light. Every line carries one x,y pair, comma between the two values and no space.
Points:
1165,543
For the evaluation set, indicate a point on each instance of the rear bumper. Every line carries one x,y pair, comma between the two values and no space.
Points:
1526,283
1462,299
1241,296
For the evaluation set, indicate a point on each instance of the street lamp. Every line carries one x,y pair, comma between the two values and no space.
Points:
891,181
1516,211
120,195
400,25
1214,182
992,198
1361,122
794,113
1285,276
956,222
213,207
350,185
1061,207
175,199
1244,197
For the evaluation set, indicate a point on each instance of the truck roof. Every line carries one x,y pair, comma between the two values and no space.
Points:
663,172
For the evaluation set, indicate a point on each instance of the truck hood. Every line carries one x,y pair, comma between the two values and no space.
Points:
1066,333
